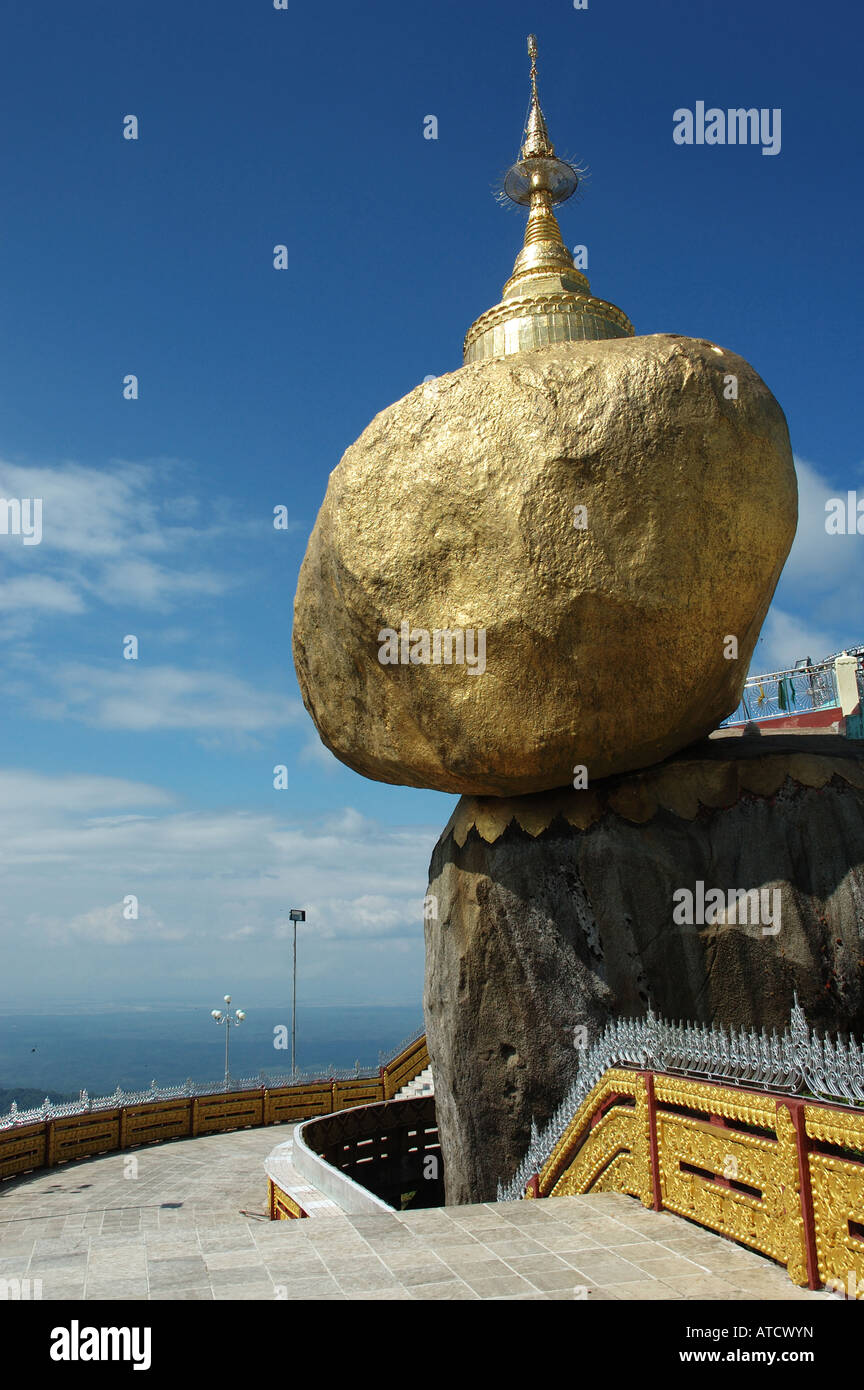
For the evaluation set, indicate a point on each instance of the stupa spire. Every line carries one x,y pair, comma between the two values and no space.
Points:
546,300
539,180
536,140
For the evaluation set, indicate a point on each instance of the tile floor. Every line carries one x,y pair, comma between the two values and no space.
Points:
187,1220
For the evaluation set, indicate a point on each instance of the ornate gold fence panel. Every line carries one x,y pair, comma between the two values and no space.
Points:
728,1160
836,1162
155,1121
81,1136
347,1094
24,1149
290,1103
237,1110
282,1206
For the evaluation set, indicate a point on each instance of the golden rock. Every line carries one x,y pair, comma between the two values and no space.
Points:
600,525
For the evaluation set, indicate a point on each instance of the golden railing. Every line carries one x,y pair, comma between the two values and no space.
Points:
45,1143
779,1174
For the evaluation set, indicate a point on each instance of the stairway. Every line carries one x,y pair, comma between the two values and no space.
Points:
422,1085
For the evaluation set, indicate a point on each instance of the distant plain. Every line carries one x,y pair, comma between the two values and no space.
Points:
98,1050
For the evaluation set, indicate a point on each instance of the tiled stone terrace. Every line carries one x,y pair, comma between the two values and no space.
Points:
192,1225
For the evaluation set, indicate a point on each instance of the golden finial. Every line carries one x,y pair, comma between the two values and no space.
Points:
539,180
536,142
546,299
537,169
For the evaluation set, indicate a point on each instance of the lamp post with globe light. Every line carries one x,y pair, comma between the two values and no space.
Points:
297,914
226,1017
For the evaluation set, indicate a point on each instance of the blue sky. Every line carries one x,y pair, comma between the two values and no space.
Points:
305,127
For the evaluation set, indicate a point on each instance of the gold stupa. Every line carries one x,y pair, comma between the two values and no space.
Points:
546,300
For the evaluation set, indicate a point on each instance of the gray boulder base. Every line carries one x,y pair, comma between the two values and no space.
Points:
555,912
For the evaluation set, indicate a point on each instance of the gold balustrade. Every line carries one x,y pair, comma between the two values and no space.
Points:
45,1143
779,1174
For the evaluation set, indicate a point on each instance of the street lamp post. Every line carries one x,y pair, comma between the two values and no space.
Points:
220,1016
296,915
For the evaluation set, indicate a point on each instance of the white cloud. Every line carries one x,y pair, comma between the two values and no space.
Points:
122,535
819,604
145,584
73,848
141,698
786,638
819,561
94,512
21,597
103,926
316,754
24,791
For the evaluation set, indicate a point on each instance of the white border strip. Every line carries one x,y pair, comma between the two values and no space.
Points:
353,1198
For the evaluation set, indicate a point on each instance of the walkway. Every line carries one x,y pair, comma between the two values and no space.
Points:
187,1220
